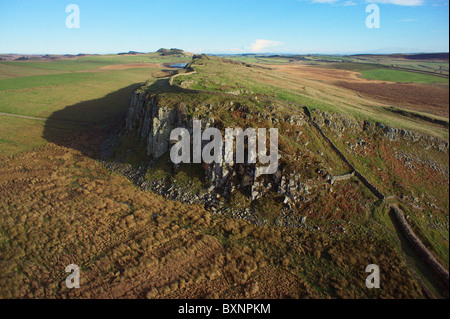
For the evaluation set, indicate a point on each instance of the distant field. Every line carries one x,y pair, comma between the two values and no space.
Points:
401,76
226,77
357,67
428,65
357,64
88,92
25,68
258,59
12,70
376,72
70,90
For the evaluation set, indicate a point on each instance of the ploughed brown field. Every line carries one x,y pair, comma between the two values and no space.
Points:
415,97
313,73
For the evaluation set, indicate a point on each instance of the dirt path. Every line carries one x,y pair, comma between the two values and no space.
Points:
180,74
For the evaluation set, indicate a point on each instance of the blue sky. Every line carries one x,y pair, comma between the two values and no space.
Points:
224,26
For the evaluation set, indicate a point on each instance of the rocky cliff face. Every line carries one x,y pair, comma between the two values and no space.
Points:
152,122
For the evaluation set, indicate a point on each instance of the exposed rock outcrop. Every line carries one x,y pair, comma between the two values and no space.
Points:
152,122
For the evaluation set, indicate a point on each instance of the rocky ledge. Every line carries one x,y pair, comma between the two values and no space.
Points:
151,122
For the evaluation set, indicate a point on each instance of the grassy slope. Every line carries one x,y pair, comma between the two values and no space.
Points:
218,76
392,178
381,167
43,101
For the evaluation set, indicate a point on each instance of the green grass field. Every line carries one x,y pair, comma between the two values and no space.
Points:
25,68
381,73
357,67
372,68
401,76
68,90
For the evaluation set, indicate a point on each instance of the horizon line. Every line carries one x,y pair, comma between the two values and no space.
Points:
226,53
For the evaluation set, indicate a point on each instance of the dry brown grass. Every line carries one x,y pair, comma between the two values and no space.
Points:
416,97
59,207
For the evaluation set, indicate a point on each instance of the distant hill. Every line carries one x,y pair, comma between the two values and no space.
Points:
428,56
172,51
130,52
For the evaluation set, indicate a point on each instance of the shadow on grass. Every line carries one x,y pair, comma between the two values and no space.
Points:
423,270
85,125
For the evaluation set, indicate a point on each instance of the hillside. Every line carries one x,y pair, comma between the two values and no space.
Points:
135,244
102,192
318,147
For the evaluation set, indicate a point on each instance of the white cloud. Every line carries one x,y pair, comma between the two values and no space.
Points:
349,3
260,45
399,2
